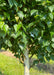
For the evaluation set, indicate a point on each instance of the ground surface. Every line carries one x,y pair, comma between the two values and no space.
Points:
9,65
8,53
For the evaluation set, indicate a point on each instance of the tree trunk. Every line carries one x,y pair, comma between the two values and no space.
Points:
26,63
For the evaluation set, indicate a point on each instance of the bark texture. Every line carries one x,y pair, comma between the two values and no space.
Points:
26,62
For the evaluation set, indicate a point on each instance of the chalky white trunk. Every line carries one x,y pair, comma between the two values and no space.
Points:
26,62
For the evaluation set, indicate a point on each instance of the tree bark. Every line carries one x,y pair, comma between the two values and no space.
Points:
26,63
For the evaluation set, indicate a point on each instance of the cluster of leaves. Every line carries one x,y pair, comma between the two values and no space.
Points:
28,24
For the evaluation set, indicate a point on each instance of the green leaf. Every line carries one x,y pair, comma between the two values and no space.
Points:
6,14
13,35
15,3
52,45
52,33
40,56
24,28
24,39
51,15
30,24
49,23
43,17
52,39
27,0
52,57
35,32
48,49
21,14
6,28
2,34
17,26
51,8
38,0
7,42
1,18
11,3
24,1
1,25
35,62
45,43
34,12
25,9
21,46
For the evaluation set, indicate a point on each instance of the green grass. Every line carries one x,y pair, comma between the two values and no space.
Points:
11,66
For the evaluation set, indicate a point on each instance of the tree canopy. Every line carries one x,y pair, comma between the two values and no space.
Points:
28,24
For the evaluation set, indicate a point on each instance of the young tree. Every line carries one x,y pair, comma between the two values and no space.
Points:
27,28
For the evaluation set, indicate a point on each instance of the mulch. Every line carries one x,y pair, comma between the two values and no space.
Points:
8,53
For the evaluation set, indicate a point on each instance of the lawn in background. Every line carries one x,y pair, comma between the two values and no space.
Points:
11,66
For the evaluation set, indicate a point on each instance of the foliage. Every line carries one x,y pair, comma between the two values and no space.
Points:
28,24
